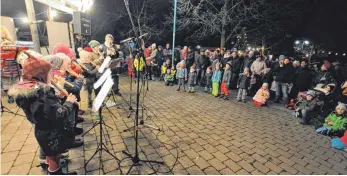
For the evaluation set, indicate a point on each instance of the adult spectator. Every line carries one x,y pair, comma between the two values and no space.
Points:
151,60
190,58
284,77
80,43
302,80
236,66
226,58
167,50
325,75
258,68
159,61
184,53
202,64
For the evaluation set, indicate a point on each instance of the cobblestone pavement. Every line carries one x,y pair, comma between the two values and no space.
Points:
208,135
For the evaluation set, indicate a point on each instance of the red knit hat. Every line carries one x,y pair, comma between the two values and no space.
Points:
89,49
62,48
35,68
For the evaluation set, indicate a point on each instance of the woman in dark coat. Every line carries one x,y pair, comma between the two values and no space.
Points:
54,122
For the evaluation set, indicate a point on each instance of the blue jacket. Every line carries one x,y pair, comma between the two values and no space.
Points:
217,76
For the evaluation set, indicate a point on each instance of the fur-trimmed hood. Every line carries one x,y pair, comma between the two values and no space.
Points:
19,90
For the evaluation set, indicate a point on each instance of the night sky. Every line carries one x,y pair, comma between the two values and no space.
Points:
323,22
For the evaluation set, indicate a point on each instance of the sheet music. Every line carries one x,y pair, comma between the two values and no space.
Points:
102,94
102,78
104,64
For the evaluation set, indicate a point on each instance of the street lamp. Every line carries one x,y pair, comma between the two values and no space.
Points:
344,54
297,42
25,20
336,54
306,42
52,14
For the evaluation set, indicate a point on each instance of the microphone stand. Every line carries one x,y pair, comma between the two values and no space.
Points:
135,159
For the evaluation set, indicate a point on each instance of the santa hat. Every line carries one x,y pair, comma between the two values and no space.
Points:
35,68
62,48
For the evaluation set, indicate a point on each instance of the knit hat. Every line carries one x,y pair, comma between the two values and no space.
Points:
229,63
35,68
93,43
109,35
312,93
341,105
55,61
282,57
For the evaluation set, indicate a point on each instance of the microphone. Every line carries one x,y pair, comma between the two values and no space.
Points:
143,35
126,40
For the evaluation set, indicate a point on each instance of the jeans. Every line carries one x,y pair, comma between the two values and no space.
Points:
241,94
282,87
200,76
181,82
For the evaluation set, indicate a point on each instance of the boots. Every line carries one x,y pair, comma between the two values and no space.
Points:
60,172
192,91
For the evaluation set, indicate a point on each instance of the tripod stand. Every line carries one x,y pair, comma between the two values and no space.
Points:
143,108
5,109
101,146
100,121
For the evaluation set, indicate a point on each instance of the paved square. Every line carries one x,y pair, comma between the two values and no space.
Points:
206,135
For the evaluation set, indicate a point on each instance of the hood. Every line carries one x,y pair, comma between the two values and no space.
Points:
27,89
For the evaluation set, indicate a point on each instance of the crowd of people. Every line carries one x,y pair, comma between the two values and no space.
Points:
316,96
50,86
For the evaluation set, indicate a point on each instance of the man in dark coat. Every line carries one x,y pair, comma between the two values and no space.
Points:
190,58
237,63
202,64
302,80
283,79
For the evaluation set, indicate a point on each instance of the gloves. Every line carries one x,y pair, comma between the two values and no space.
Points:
324,130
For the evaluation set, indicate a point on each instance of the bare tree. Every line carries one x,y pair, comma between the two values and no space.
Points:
226,18
145,18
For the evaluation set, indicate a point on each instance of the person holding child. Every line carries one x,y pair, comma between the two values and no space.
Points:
243,84
226,82
263,94
216,79
181,75
335,122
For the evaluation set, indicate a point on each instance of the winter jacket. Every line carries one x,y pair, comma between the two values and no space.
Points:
208,78
116,54
136,64
163,69
192,78
54,122
303,79
159,58
225,60
167,52
89,74
258,67
77,86
243,82
338,120
173,73
285,74
227,76
262,96
323,77
168,78
202,62
237,65
217,76
151,59
181,73
190,59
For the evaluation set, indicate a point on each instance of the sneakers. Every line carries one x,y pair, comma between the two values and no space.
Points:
221,96
244,101
225,98
238,100
178,89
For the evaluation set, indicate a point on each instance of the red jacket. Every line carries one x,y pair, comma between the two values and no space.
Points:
344,138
